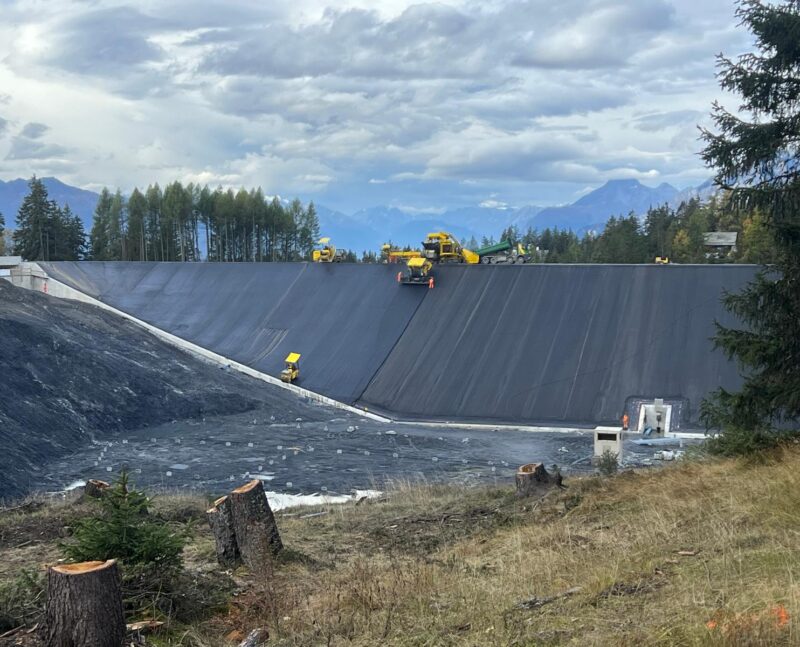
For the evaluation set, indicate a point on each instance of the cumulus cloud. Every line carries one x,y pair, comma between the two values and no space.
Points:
397,101
28,144
597,35
33,130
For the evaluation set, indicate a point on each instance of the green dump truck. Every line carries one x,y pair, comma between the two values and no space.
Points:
503,252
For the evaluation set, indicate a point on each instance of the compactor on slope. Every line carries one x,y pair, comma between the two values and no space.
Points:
292,370
325,252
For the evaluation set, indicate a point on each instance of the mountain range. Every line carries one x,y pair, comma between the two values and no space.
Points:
368,229
81,201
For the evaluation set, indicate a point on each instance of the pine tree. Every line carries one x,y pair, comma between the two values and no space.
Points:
307,229
621,242
657,225
136,237
756,153
2,234
34,222
124,530
154,199
98,239
74,236
116,228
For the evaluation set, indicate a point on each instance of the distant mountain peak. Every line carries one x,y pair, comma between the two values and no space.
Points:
81,201
621,182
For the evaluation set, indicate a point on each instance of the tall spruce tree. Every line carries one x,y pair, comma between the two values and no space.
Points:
2,234
756,153
116,228
98,239
72,246
34,223
136,236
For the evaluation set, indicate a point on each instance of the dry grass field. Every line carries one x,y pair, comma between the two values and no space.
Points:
699,553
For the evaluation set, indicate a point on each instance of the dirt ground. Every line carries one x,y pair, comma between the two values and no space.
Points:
334,455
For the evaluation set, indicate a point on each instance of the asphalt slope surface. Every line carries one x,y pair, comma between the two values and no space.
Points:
343,318
540,344
559,344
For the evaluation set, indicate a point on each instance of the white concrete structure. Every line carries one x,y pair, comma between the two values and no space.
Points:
608,440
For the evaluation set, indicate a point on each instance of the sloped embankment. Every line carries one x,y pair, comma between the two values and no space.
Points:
71,372
536,344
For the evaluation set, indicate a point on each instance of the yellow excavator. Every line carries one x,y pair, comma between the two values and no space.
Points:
325,252
441,247
391,254
292,370
438,247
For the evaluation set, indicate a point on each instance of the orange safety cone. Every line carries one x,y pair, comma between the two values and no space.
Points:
399,276
625,421
430,283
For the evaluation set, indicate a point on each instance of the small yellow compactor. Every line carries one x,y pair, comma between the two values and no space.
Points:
292,370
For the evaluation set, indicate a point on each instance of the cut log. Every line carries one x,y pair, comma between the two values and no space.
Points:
84,605
95,488
221,522
254,524
533,479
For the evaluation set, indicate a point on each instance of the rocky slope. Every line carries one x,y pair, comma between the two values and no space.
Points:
71,373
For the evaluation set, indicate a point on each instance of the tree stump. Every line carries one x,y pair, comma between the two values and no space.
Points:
84,605
533,478
95,488
221,521
254,524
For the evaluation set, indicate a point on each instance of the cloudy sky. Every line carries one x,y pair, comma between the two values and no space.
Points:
355,103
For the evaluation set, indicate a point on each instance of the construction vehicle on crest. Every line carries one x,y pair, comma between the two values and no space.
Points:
391,254
503,252
441,247
325,252
438,247
292,371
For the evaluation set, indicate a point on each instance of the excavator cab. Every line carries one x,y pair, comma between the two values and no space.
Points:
418,272
441,247
292,370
